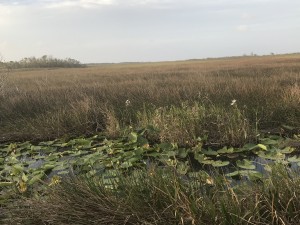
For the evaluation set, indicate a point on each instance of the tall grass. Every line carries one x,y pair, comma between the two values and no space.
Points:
184,99
161,196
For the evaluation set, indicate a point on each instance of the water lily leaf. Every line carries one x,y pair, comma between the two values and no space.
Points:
6,184
47,143
249,146
199,157
209,152
171,154
288,127
132,137
35,148
245,164
207,162
166,146
63,172
272,155
268,141
252,174
287,150
294,159
233,174
225,150
142,141
220,163
261,146
182,153
182,168
139,151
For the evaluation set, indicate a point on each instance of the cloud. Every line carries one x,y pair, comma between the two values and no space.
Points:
78,3
242,28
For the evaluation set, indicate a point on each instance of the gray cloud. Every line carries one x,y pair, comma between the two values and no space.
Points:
143,30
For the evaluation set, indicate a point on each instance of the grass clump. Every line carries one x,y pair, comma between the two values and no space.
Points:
161,196
192,97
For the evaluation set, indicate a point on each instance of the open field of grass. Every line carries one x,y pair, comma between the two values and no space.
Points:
183,100
193,142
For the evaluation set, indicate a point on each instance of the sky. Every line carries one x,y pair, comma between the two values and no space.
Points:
103,31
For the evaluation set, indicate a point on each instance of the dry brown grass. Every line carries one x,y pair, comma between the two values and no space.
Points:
44,104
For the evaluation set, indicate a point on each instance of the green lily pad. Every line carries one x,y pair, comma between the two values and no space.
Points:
272,155
225,150
133,137
294,159
6,184
182,153
287,150
220,163
261,146
182,168
268,141
245,164
209,152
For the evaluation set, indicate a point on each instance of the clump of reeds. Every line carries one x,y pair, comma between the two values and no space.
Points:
161,196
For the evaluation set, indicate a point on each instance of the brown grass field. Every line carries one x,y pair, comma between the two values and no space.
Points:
183,100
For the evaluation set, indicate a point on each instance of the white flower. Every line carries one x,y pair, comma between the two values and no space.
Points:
233,102
127,102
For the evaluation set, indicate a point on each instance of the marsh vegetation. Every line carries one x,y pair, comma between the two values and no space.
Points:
192,142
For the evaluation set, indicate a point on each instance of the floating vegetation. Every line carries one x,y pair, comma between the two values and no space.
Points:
23,165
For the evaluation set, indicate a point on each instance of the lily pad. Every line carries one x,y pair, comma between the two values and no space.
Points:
225,150
209,152
220,163
245,164
287,150
294,159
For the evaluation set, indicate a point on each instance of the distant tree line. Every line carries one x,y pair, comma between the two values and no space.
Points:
43,62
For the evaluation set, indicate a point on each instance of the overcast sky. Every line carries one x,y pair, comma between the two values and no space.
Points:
147,30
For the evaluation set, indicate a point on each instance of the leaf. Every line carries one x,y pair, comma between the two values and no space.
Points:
142,141
6,184
220,163
132,137
182,153
294,159
233,174
199,157
209,152
225,150
261,146
166,146
63,172
287,150
170,154
36,178
182,167
139,151
245,164
207,162
272,155
288,127
268,141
